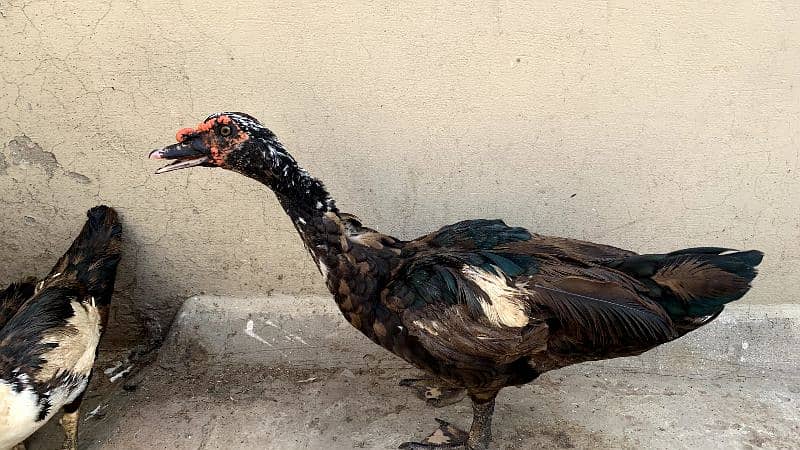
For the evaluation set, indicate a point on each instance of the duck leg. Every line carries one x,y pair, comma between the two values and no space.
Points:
69,423
20,446
448,436
434,392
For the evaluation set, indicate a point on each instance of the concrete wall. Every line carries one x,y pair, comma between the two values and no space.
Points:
633,123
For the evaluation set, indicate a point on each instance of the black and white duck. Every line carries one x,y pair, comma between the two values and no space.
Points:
49,331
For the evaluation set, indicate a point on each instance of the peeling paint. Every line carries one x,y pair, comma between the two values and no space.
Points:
24,151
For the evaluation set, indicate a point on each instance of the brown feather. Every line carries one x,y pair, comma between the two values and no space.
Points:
602,313
690,278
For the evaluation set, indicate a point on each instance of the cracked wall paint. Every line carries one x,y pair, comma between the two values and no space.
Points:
619,124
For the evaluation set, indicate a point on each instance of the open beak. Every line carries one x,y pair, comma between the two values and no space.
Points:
185,154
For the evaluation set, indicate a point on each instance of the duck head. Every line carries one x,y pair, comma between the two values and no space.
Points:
230,140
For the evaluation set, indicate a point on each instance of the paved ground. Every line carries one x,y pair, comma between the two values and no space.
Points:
289,374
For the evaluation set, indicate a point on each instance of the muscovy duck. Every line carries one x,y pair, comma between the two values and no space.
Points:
49,331
478,305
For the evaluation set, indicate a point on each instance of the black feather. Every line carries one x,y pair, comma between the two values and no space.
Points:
478,234
13,297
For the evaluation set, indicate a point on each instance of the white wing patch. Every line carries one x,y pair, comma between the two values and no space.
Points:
76,348
501,303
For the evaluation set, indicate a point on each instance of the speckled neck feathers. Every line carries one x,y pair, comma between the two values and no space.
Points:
303,197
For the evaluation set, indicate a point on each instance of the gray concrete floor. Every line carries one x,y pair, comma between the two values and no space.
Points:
290,374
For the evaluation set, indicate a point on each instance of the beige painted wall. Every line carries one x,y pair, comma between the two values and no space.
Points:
633,123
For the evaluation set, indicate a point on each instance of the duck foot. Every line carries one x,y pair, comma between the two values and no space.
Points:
433,392
446,436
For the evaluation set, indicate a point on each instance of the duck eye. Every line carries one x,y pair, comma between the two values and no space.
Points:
225,130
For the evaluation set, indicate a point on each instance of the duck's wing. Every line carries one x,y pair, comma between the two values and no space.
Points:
595,311
574,249
40,327
485,304
442,301
483,289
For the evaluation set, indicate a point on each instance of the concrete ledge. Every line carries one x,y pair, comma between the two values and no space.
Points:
287,331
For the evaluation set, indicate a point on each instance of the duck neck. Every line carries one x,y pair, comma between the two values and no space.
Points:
304,199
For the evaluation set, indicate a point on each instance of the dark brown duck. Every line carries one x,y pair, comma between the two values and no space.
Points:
478,305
